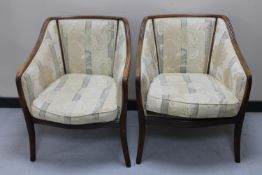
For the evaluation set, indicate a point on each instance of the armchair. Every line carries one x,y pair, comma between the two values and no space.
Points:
76,76
190,73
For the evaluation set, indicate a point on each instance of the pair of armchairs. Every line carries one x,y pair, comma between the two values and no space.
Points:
189,73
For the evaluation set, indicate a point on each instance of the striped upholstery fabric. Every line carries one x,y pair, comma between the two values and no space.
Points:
95,52
120,61
183,44
225,65
191,95
89,45
78,99
46,66
149,65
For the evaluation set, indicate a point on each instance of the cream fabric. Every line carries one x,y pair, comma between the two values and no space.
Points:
149,65
191,95
88,45
184,44
120,61
224,65
78,99
46,66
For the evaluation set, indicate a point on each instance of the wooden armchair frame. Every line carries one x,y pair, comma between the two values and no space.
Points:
31,121
161,119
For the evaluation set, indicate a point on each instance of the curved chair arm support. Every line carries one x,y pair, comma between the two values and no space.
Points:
22,96
242,75
146,60
122,63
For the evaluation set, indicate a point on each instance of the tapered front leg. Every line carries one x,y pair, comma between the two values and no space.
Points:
124,137
31,134
237,140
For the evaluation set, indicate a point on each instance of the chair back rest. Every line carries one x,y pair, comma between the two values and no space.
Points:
183,43
89,45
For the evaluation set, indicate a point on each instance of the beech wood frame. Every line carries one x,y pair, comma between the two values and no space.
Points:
166,120
31,121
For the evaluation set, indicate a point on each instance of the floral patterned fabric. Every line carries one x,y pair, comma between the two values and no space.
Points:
225,65
46,66
149,65
183,44
89,45
191,95
78,99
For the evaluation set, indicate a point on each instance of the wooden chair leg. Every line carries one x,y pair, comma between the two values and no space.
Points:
124,138
31,134
237,139
141,138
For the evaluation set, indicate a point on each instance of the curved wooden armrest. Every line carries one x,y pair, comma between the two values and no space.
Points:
242,62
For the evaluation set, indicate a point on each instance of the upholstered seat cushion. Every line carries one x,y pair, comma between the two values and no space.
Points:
191,95
78,99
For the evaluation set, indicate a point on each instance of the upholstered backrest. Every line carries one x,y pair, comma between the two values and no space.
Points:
183,43
89,45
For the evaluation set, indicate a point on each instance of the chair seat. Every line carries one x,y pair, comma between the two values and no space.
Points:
78,99
191,95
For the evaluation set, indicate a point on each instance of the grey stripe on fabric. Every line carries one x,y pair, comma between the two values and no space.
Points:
118,111
30,87
232,61
65,50
224,36
183,59
183,23
88,52
240,87
150,68
84,84
208,39
67,119
165,97
222,110
96,116
48,35
194,110
165,104
183,62
43,109
39,65
111,41
220,47
222,98
55,57
160,47
191,90
61,83
53,51
101,100
188,82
